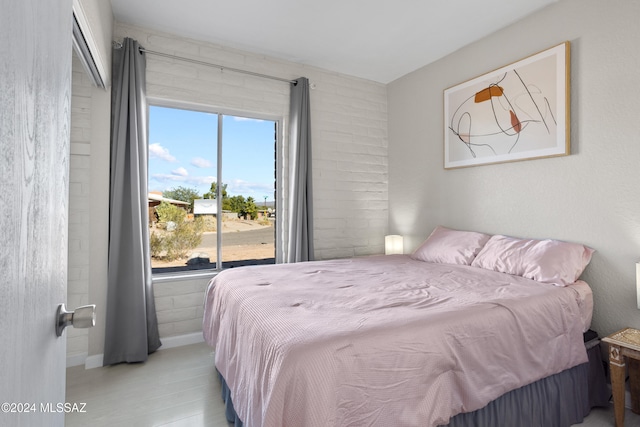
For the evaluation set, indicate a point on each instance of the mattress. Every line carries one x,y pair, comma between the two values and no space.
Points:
385,340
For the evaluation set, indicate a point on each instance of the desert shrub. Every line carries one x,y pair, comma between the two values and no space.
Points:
157,244
186,236
209,222
178,239
170,213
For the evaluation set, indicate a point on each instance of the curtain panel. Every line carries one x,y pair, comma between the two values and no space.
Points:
300,239
131,330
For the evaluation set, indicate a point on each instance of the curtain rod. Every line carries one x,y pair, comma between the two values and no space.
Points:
118,45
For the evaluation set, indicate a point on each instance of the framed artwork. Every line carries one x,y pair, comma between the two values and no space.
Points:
517,112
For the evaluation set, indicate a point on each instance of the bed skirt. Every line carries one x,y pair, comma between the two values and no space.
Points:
560,400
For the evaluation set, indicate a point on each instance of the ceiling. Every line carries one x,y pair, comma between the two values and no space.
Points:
379,40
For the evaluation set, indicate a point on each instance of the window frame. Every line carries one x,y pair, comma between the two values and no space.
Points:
279,174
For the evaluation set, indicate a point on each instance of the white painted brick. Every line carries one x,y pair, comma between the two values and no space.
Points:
77,134
76,287
76,345
73,273
159,77
197,86
360,167
336,253
80,148
176,315
378,205
78,259
182,69
331,224
175,45
180,287
79,190
79,162
165,330
379,224
187,326
220,56
189,300
74,245
81,90
163,303
200,312
75,189
369,250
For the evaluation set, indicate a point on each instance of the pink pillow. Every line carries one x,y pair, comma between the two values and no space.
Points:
448,246
547,261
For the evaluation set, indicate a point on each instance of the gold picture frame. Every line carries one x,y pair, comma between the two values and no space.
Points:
517,112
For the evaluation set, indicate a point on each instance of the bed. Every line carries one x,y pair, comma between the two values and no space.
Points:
465,322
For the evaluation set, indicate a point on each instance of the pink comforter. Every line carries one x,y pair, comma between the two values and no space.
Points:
385,340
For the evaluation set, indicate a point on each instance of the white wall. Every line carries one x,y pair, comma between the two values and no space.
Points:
79,205
349,129
349,132
89,187
590,197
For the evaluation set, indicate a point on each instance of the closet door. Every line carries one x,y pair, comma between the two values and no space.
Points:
35,92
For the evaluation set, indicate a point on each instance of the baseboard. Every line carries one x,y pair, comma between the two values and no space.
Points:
76,359
96,360
180,340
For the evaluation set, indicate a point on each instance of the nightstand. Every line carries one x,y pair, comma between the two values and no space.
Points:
624,346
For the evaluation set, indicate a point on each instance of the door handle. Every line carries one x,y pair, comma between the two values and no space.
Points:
81,317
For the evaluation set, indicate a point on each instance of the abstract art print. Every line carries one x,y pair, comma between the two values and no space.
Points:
517,112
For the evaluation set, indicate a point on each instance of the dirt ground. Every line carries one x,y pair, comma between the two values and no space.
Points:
229,253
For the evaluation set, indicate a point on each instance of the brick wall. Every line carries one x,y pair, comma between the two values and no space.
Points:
79,204
349,132
179,305
349,129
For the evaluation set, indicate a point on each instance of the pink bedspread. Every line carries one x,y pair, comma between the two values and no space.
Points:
385,340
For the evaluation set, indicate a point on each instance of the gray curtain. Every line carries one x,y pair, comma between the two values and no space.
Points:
131,323
300,243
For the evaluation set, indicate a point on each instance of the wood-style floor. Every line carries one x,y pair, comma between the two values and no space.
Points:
177,387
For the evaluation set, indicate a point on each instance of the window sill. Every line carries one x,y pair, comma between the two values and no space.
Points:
183,275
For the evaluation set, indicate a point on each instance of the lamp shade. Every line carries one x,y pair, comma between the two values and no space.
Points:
393,244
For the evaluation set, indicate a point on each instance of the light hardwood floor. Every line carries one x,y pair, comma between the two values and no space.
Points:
178,387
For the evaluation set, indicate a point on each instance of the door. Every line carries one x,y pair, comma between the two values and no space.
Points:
35,92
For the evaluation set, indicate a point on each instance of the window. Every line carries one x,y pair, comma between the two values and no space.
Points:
211,190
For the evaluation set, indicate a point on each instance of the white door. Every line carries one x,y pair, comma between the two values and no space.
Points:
35,93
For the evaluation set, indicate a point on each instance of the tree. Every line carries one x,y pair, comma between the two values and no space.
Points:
250,208
235,204
183,193
244,207
212,191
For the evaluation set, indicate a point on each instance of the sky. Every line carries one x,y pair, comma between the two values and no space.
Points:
183,152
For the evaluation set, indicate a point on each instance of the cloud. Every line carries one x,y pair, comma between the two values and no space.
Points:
185,179
158,151
199,162
255,190
180,172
